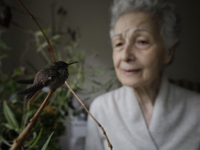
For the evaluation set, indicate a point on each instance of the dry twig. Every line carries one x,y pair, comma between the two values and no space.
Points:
109,144
20,139
32,17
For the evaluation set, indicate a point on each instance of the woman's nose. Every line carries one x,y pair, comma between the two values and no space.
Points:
128,53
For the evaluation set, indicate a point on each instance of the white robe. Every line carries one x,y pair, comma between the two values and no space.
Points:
175,123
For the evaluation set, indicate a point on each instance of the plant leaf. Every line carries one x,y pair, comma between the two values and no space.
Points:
47,142
37,139
10,117
4,141
7,125
28,143
3,45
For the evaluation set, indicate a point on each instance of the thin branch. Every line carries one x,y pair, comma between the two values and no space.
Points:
25,13
17,143
32,17
109,144
34,96
26,108
20,27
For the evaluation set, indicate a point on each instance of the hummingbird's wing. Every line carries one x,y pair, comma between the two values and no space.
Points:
41,80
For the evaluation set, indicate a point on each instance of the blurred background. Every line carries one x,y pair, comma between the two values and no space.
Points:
92,18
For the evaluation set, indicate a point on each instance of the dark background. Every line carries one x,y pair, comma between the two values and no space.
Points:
93,16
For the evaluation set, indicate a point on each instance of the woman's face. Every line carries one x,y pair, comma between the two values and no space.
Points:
138,50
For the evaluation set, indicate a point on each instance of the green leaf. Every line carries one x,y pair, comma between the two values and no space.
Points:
17,72
47,142
28,143
10,117
3,56
42,46
86,99
96,82
4,141
7,125
3,45
109,87
37,139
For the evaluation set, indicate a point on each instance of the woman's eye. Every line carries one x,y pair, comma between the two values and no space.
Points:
118,44
142,44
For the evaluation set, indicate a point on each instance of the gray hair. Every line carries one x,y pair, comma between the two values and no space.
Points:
163,10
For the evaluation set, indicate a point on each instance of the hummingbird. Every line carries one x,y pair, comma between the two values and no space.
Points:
48,78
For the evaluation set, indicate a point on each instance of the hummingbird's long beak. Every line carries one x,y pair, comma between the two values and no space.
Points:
72,63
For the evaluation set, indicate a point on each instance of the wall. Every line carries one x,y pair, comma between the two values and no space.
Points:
187,63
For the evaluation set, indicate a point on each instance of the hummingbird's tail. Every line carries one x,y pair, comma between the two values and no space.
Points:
30,96
31,91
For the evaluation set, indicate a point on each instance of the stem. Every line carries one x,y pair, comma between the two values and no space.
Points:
20,139
24,13
109,144
20,27
32,17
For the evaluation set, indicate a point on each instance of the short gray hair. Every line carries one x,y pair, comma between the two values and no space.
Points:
163,10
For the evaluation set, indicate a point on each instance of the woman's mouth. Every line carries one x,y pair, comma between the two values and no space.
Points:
131,71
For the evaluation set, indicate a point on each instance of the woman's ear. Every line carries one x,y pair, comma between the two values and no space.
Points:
169,55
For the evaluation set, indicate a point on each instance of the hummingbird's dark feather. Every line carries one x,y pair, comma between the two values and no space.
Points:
25,81
32,89
29,96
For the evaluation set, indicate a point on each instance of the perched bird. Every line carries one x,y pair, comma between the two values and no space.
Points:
48,78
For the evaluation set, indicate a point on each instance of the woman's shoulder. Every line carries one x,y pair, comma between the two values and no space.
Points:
188,97
183,92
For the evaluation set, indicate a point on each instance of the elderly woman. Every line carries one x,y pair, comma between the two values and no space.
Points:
147,112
